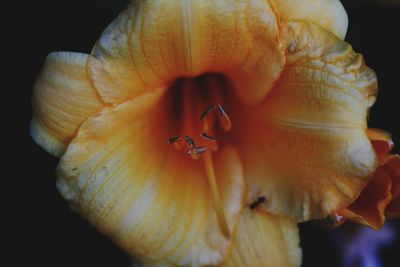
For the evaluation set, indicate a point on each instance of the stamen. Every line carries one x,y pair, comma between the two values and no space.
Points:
207,137
190,141
223,224
204,114
174,139
195,152
224,119
206,128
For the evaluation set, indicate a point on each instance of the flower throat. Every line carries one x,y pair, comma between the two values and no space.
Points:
203,117
203,120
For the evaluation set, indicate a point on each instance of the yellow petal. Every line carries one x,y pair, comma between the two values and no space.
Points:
154,42
63,98
306,149
328,14
152,200
263,239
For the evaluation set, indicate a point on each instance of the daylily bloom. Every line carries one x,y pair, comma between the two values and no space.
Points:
200,132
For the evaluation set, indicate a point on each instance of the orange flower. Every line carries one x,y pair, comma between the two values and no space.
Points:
381,197
200,132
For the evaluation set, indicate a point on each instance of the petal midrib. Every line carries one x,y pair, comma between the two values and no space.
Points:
311,126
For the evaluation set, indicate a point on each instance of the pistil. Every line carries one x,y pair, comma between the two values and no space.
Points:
223,224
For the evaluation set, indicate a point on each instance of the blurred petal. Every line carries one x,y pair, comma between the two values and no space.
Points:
63,98
305,148
369,208
150,199
328,14
262,239
361,246
154,42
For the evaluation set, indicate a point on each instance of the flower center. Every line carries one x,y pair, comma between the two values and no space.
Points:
199,103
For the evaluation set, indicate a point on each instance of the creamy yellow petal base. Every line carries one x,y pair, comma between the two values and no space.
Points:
312,155
154,42
328,14
63,98
263,239
152,200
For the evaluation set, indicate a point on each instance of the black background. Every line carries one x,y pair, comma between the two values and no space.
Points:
40,229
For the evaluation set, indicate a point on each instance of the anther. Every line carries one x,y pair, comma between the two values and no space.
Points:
222,111
257,203
190,142
225,120
204,114
196,152
174,139
207,137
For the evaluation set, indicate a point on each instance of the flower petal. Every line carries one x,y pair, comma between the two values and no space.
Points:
328,14
312,155
154,42
63,98
382,143
392,166
151,199
369,208
263,239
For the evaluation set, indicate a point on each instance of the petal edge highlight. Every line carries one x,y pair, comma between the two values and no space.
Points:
63,98
329,14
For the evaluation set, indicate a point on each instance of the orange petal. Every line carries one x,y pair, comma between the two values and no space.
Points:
305,148
369,208
150,199
382,143
263,239
154,42
63,98
379,135
393,168
328,14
